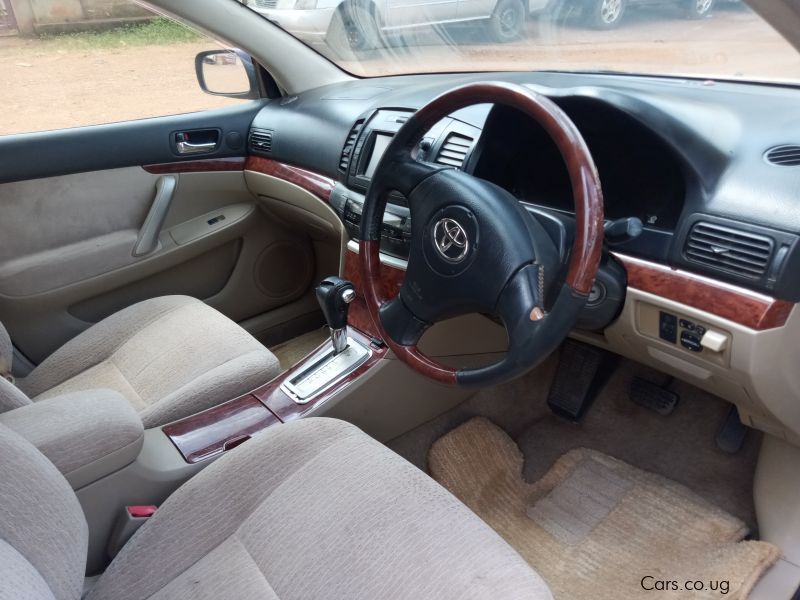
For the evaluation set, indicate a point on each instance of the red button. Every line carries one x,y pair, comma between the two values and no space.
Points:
141,511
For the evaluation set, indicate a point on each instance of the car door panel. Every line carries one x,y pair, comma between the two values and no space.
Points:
410,13
61,229
125,144
475,9
68,254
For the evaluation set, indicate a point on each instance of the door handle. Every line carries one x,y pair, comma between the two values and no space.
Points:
196,141
189,148
147,241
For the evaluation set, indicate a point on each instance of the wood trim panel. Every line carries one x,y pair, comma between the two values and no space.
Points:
221,428
319,185
287,409
197,166
742,306
390,281
212,432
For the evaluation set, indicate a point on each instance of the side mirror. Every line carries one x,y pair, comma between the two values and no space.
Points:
226,73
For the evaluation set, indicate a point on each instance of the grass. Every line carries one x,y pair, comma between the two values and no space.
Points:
158,31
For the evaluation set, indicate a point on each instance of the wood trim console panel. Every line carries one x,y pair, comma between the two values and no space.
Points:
742,306
212,432
221,428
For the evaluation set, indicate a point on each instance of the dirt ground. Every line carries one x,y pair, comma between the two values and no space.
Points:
45,86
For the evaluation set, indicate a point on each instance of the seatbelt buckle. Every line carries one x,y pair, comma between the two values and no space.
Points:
141,511
127,523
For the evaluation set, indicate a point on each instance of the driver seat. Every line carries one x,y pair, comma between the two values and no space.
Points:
311,509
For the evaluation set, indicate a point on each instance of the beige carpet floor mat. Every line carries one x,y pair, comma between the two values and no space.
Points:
597,528
291,352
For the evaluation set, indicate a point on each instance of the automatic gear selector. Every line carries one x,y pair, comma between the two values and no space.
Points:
329,364
335,295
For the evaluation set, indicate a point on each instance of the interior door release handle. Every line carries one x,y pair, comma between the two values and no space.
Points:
189,148
147,241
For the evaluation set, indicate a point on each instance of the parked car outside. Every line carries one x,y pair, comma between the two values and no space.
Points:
608,14
358,25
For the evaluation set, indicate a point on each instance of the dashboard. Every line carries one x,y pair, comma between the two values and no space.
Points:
706,292
690,159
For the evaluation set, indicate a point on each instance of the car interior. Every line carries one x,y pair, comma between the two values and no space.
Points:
509,334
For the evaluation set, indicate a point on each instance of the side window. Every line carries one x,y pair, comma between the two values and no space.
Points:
86,62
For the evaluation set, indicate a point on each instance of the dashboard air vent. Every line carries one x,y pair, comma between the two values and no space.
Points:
261,140
784,156
454,150
349,145
738,252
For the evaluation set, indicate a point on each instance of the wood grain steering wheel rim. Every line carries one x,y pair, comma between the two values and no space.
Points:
586,251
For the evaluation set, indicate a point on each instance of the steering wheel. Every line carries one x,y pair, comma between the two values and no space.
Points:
474,248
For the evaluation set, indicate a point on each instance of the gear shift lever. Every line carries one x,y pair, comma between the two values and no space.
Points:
335,295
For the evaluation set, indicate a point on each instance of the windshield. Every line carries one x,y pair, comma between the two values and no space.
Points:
701,38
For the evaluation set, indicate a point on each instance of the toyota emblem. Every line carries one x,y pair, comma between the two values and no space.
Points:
451,240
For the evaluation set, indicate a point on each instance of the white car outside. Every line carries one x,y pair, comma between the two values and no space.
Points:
360,23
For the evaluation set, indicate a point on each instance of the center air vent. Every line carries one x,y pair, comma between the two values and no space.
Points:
454,150
261,140
349,145
732,250
787,155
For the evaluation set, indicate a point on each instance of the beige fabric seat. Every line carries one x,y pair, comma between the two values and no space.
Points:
169,357
311,509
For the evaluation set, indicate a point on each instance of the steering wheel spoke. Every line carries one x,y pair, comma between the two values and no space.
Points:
400,322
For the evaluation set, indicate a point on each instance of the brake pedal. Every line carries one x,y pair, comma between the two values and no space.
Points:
582,371
730,437
649,395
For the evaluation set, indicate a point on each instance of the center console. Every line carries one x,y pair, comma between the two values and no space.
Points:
304,387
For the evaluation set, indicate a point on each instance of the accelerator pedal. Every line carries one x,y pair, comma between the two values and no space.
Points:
650,395
582,372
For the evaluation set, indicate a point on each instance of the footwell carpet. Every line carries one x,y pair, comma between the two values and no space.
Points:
597,528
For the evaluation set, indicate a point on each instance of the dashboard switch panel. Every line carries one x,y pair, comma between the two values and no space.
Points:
705,342
691,341
693,327
668,327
